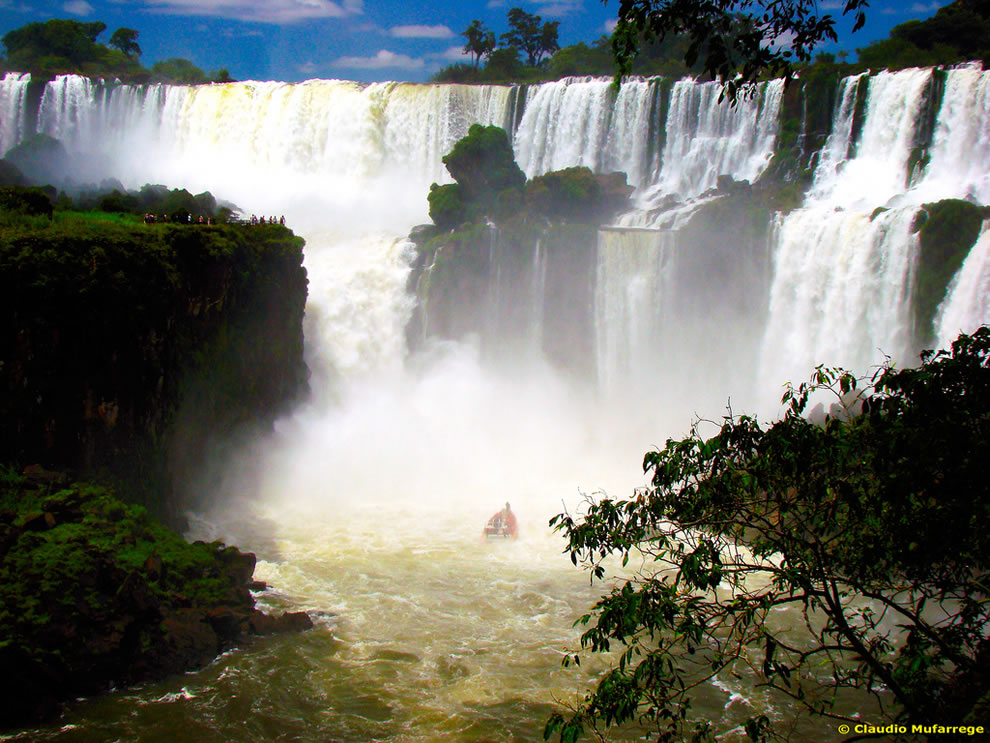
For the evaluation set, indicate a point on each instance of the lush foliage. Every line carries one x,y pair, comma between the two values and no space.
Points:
59,47
528,35
487,176
480,41
825,557
958,32
96,593
531,35
735,40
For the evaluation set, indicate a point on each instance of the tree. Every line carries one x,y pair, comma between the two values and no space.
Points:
531,36
737,40
125,39
871,524
178,71
480,41
57,45
221,76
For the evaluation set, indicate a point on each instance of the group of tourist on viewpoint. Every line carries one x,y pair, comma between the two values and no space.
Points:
164,219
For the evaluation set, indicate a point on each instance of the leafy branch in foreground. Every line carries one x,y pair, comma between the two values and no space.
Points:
840,563
737,41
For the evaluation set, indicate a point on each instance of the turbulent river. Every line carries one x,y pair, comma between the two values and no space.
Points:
365,506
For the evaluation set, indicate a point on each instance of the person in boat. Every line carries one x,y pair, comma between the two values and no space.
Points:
502,524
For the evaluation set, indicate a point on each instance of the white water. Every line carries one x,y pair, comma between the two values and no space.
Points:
878,171
837,148
629,305
706,139
13,111
960,157
840,292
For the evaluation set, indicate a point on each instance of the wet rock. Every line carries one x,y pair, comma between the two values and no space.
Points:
265,624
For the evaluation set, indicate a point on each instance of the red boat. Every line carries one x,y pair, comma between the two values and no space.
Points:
502,525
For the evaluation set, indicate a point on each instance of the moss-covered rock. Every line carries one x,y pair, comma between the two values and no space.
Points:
447,207
96,593
577,194
948,230
484,166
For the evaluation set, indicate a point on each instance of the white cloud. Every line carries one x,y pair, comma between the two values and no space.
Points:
925,7
307,68
559,9
453,54
610,25
421,32
383,60
77,7
260,11
231,33
496,4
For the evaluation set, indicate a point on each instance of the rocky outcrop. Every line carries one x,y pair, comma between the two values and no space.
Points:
96,594
127,349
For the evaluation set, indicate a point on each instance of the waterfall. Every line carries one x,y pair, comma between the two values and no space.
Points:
13,109
879,169
251,141
333,151
842,272
564,124
367,503
707,139
629,146
960,157
841,292
629,281
837,147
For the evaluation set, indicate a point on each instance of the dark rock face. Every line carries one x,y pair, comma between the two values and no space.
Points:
126,349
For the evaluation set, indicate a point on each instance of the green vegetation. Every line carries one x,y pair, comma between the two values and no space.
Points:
489,184
958,32
530,35
683,38
835,559
546,61
480,41
60,47
488,180
95,592
736,40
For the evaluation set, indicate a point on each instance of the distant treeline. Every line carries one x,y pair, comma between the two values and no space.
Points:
958,32
65,47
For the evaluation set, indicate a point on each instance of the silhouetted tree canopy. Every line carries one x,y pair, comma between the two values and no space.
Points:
735,40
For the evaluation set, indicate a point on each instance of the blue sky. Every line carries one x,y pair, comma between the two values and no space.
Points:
364,40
